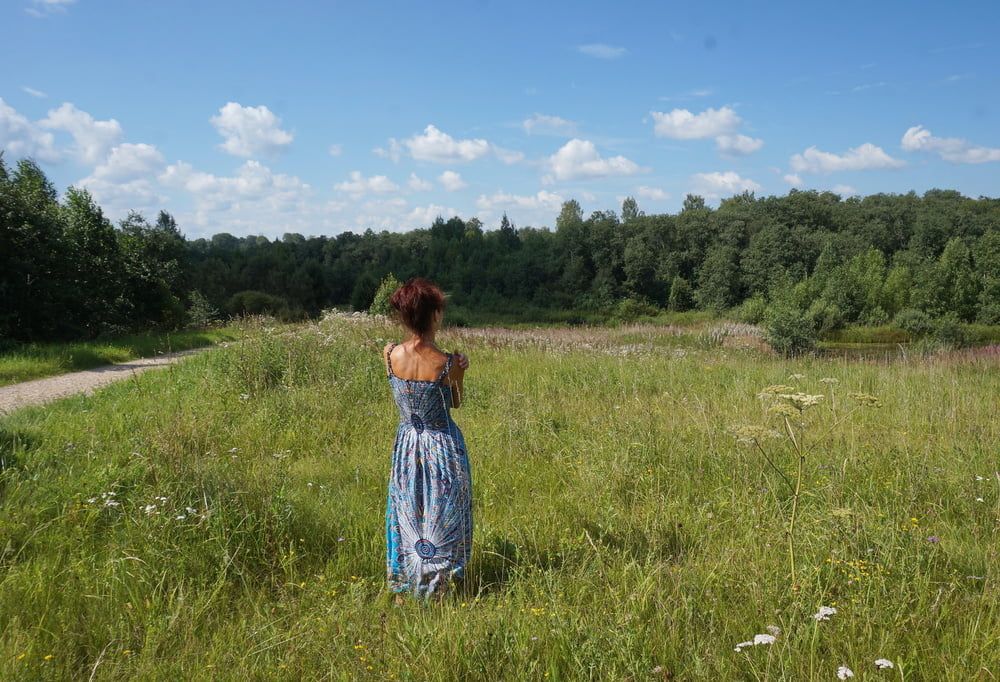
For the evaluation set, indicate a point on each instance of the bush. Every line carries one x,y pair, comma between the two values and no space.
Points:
680,297
914,322
201,313
753,310
256,303
989,314
948,331
380,304
788,330
824,316
631,308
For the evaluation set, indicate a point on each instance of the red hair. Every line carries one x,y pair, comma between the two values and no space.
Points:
416,302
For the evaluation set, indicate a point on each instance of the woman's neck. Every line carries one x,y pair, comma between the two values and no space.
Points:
417,340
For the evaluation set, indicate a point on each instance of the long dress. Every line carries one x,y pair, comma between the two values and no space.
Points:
428,519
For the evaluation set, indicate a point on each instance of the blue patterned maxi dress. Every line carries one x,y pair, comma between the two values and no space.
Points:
428,519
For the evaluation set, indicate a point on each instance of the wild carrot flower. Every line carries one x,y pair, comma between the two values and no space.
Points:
824,613
883,664
865,399
843,673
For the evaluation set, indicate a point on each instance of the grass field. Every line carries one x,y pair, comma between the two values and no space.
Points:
224,518
37,360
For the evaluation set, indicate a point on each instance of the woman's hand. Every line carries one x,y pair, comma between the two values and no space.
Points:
463,359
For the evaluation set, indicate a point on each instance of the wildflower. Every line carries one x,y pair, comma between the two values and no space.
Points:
883,663
801,401
829,380
865,399
756,641
773,629
180,517
783,410
112,503
934,539
750,434
824,613
843,672
771,391
149,509
190,510
979,499
49,657
796,377
340,539
244,397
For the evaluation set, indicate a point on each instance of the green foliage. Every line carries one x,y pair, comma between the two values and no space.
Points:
680,298
915,322
256,303
753,310
201,312
949,332
788,330
380,304
629,309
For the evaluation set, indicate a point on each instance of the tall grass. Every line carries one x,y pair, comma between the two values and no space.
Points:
224,518
36,360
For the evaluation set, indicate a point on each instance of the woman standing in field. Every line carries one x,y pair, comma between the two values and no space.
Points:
428,520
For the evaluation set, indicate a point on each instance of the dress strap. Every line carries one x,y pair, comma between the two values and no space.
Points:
388,359
447,368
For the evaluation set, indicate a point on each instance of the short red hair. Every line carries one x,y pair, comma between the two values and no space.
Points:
416,302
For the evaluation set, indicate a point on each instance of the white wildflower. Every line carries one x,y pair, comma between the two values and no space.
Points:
979,499
773,629
824,613
883,663
796,377
190,510
829,380
149,509
112,503
763,639
843,672
180,517
980,478
741,646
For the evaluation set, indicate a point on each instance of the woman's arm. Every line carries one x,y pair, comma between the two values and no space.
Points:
456,376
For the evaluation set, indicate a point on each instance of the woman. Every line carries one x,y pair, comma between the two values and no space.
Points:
428,521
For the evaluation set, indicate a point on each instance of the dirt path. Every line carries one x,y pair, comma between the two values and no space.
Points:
44,390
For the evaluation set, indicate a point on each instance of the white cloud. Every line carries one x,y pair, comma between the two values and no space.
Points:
452,181
335,149
34,93
508,156
579,159
541,200
863,157
418,184
91,138
359,185
20,137
250,130
543,124
128,161
715,185
253,199
601,50
844,190
393,150
738,145
424,216
681,124
793,180
440,147
654,193
43,8
954,149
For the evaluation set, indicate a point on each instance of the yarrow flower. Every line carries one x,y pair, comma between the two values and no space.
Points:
756,641
843,673
829,380
824,613
883,664
771,391
750,434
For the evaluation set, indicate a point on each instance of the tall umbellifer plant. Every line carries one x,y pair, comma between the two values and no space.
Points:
380,305
790,408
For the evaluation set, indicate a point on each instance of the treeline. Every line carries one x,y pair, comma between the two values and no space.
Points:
68,271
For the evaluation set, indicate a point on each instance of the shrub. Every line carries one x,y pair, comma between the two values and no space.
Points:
788,330
256,303
824,316
201,313
631,308
753,310
948,331
380,304
914,322
680,297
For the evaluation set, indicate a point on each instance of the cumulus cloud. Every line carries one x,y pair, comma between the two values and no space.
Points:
359,185
541,200
681,124
128,161
793,179
91,138
543,124
21,137
738,145
125,180
579,159
954,149
654,193
250,130
452,181
844,190
424,216
601,50
864,157
440,147
418,184
252,199
716,185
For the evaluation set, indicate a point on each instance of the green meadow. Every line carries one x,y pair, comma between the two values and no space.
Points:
223,518
23,362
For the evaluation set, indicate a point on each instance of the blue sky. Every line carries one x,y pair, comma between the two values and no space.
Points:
264,118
